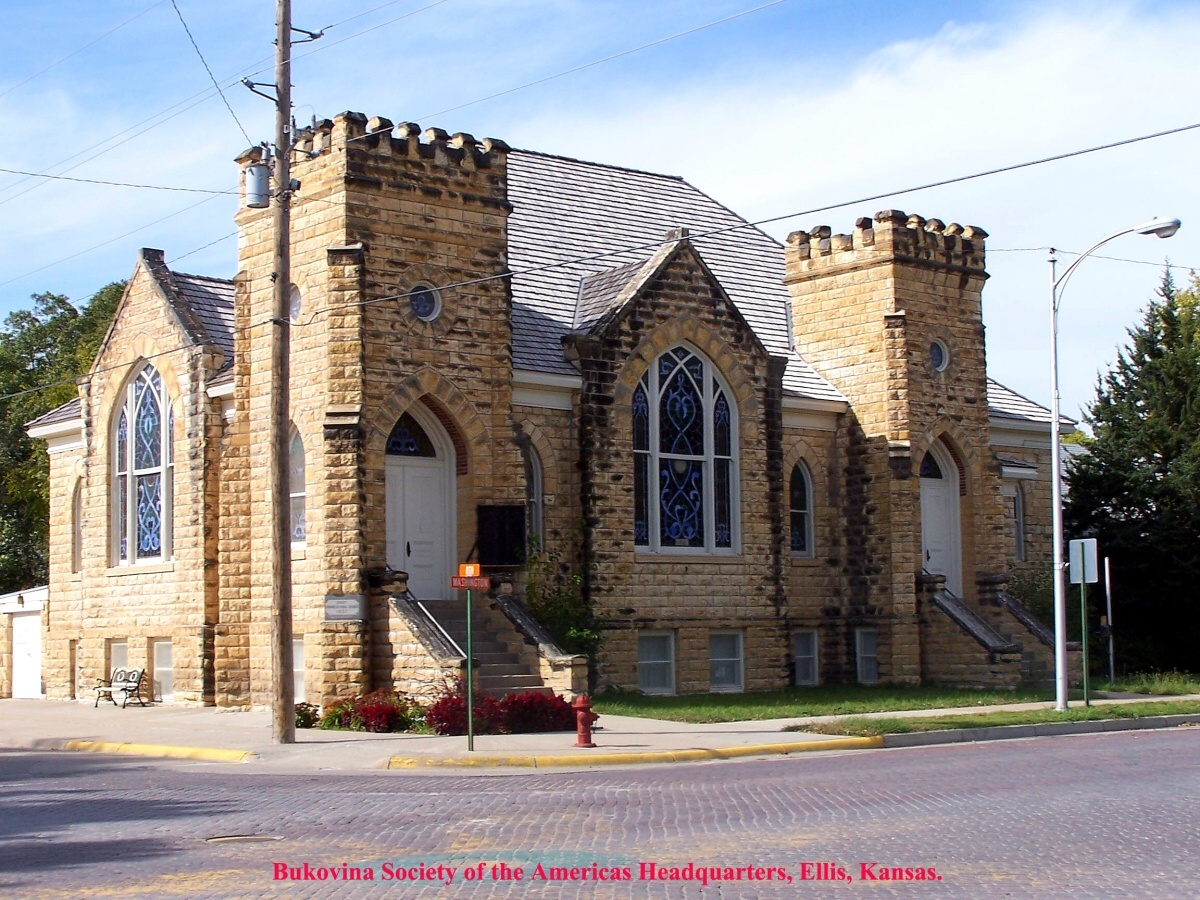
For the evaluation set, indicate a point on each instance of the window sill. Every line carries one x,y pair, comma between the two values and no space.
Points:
299,551
141,569
804,560
678,556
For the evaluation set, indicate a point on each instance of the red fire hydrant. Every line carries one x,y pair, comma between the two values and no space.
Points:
584,718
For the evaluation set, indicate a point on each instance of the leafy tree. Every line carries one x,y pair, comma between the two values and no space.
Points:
42,351
1137,490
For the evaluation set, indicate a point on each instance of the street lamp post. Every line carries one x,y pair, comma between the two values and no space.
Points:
1162,228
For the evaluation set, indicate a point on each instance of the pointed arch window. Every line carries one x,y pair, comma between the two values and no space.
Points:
685,468
800,505
296,488
408,438
77,528
144,466
534,534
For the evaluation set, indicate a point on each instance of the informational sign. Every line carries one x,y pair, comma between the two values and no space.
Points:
1083,561
345,607
469,570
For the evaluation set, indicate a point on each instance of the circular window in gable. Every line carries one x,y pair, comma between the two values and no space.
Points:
939,356
425,302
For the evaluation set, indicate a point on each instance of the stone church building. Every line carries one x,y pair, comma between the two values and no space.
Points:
776,464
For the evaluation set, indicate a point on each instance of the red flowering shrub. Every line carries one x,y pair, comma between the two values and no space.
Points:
533,711
515,714
380,712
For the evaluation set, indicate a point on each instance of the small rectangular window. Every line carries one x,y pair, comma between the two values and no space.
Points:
725,661
118,655
807,670
163,655
656,663
864,652
298,669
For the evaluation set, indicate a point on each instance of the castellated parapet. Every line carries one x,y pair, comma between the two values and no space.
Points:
890,236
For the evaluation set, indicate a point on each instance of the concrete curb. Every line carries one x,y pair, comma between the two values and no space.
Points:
210,754
629,759
1045,729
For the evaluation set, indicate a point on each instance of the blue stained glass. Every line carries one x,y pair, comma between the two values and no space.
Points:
695,368
681,503
929,467
122,512
665,365
123,443
408,438
641,419
170,435
147,431
641,500
722,433
798,497
149,515
681,425
722,504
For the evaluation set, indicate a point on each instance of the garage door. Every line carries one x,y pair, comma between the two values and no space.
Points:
27,655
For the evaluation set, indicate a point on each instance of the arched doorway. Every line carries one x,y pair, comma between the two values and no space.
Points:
420,492
941,539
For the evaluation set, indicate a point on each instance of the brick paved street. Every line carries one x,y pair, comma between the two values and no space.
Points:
1090,816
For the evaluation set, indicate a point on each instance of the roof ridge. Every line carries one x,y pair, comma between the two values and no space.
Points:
599,165
203,277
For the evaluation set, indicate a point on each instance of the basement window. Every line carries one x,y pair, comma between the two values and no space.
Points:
866,656
725,662
656,662
806,657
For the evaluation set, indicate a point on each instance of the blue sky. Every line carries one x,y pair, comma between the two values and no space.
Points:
795,106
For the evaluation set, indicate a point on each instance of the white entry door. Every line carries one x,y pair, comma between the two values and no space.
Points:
27,655
940,541
417,533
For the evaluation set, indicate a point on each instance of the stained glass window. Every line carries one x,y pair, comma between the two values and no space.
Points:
408,438
800,495
684,476
144,470
929,467
296,488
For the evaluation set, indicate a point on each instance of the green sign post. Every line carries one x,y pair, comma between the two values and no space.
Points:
1084,571
467,579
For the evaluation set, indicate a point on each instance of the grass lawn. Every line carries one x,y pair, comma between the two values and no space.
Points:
1158,683
871,727
829,700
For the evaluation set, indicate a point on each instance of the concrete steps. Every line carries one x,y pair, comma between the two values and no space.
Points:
500,670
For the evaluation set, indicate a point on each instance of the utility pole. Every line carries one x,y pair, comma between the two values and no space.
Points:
283,694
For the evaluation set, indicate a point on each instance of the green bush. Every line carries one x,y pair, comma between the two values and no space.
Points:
380,712
554,596
307,715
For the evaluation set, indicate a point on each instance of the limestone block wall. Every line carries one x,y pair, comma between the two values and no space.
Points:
135,602
950,656
867,308
688,595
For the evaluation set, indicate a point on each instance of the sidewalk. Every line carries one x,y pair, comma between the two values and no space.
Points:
207,734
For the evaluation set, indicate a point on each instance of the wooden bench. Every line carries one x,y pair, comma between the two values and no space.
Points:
124,683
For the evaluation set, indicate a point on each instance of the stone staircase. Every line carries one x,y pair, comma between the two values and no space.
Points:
500,668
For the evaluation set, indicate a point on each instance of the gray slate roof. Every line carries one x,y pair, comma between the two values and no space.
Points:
211,300
565,209
67,412
1004,403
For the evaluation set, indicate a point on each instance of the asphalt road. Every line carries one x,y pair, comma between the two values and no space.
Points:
1102,815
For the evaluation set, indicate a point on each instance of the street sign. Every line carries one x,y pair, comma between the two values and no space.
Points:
1083,561
467,583
469,570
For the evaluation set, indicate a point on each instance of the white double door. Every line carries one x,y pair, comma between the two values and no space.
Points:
418,524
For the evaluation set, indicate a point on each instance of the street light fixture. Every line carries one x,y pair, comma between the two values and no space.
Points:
1163,228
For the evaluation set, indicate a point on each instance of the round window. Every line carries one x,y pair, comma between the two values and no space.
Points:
939,356
295,305
424,302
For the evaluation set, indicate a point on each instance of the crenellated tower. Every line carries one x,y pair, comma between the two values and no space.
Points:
892,315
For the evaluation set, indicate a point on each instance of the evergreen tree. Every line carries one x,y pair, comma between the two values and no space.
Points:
42,352
1137,490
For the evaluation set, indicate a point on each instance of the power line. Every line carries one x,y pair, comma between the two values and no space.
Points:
211,77
149,187
198,98
204,247
588,65
106,243
1140,262
657,243
73,53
